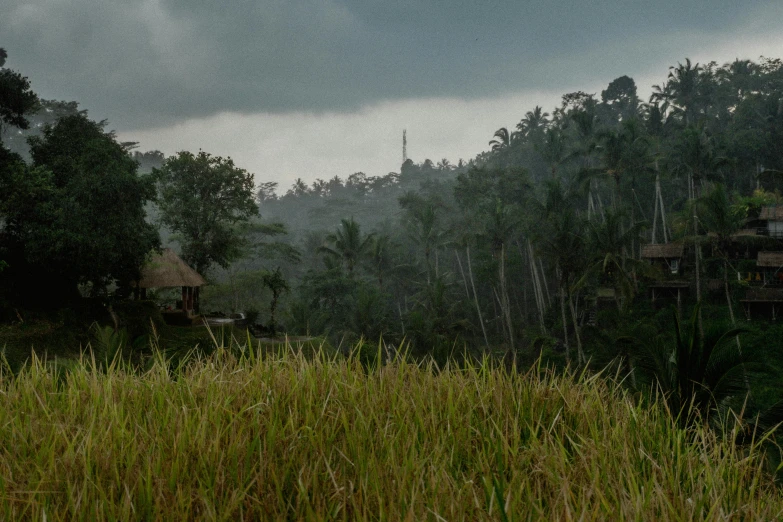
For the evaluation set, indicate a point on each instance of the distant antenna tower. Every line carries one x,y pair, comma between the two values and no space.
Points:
404,146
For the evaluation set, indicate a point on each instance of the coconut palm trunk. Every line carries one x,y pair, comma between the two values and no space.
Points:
731,308
728,294
658,207
475,297
541,274
698,269
563,315
653,238
537,292
505,303
462,273
579,353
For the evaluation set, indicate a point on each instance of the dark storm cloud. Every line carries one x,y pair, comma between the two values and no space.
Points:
153,62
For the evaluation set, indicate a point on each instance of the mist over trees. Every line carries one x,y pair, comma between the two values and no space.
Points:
573,192
532,248
535,246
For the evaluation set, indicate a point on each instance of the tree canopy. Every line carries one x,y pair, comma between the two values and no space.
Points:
203,199
76,215
16,97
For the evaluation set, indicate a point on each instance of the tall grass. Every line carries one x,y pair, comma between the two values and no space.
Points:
293,437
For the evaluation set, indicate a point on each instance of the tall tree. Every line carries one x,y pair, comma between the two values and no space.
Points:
534,124
204,198
624,154
77,215
656,127
17,100
609,244
718,216
688,90
380,256
493,199
348,245
694,155
619,101
500,228
423,222
554,149
267,191
277,284
501,140
559,237
585,121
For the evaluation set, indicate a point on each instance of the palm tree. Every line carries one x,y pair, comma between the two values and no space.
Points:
554,149
445,165
534,124
586,124
736,81
277,284
380,256
500,227
609,245
424,227
695,156
434,319
657,125
299,188
464,235
559,237
719,217
685,89
699,372
348,244
625,153
501,139
585,120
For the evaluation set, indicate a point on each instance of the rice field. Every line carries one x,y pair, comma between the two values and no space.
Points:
289,437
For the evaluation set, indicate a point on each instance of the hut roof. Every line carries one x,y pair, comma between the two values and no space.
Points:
770,259
167,270
743,232
665,250
773,213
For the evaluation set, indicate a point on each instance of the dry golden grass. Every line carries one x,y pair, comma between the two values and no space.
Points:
293,438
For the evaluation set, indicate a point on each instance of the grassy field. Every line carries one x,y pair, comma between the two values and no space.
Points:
289,437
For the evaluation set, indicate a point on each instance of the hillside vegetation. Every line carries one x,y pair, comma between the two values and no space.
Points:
615,263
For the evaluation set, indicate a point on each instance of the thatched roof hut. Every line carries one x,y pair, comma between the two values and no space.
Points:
772,213
770,260
168,270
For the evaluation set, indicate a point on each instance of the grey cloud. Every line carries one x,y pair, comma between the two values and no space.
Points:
144,63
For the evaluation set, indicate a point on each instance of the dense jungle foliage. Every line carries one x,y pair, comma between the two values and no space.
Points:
533,249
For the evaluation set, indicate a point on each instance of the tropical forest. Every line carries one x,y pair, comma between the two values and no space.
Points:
583,321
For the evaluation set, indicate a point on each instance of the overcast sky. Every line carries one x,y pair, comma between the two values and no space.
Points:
318,88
